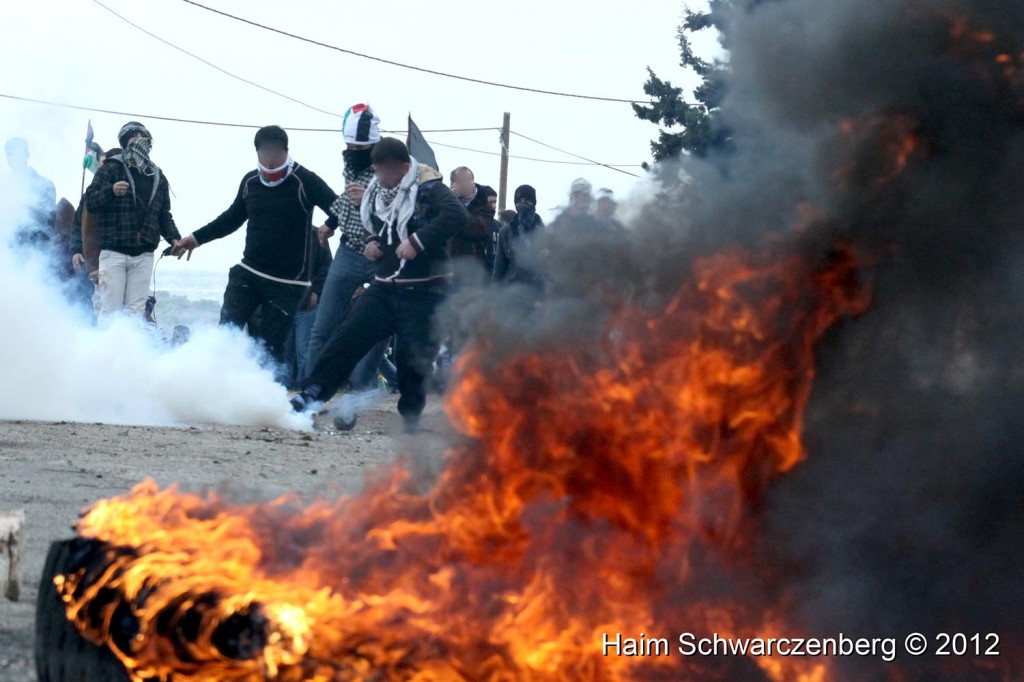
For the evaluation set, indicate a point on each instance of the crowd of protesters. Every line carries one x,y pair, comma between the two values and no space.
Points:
364,315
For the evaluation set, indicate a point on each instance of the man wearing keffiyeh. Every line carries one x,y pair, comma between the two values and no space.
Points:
131,198
409,216
350,269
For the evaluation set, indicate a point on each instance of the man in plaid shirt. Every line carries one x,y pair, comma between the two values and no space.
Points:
350,269
131,199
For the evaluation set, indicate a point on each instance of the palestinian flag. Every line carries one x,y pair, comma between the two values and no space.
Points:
91,161
418,146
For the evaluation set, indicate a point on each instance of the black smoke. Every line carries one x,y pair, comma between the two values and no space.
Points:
908,515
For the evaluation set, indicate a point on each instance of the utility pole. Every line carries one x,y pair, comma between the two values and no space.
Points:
503,182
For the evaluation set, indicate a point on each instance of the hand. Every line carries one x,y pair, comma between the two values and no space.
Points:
313,300
183,246
406,251
94,276
355,191
323,233
372,251
120,188
77,261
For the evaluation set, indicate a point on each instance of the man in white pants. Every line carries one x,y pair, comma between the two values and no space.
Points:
131,200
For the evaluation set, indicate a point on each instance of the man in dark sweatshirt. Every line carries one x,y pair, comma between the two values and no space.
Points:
410,216
277,199
515,237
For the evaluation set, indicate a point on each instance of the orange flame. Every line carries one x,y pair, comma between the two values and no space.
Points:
983,44
893,139
597,490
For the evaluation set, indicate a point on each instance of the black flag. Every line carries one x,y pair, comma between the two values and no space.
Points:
419,148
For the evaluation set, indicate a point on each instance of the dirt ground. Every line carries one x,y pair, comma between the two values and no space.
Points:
54,470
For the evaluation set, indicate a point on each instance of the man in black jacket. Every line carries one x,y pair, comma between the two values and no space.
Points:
410,216
131,199
277,199
481,204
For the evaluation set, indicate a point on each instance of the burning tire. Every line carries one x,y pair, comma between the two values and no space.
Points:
63,655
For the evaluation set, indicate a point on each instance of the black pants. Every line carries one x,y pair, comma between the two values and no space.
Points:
406,312
277,302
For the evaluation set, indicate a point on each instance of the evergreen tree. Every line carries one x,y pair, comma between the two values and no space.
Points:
701,130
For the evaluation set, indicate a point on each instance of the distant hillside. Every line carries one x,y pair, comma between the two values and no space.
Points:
173,310
195,284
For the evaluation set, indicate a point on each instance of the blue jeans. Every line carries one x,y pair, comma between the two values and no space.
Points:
349,270
295,348
303,328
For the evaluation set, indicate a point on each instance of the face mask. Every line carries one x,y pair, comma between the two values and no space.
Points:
272,177
357,159
137,154
141,145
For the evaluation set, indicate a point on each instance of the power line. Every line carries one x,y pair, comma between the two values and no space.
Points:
226,124
214,66
440,130
211,123
530,158
153,116
410,66
596,163
274,92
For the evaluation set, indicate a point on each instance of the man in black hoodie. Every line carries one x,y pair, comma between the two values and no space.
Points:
409,216
277,199
515,237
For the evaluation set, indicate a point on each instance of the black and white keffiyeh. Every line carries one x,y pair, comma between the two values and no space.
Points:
349,221
394,207
137,155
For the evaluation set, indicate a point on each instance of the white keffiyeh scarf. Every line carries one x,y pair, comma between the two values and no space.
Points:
394,207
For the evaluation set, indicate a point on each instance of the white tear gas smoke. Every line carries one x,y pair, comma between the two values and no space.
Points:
350,405
57,366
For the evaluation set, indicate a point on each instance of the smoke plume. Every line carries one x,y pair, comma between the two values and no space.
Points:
57,366
896,128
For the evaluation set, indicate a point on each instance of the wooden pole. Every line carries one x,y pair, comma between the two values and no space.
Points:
503,182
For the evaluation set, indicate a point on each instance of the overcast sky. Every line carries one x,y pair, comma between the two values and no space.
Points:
76,52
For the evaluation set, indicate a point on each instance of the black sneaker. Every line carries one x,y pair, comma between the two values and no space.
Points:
343,423
307,398
299,402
